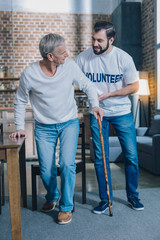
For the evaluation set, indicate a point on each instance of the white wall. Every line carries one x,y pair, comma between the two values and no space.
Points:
61,6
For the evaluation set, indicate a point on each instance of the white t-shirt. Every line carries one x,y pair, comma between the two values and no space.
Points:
109,72
52,98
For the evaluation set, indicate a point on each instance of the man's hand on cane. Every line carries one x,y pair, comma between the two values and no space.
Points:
98,112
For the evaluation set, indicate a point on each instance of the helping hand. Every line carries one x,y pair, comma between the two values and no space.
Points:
104,96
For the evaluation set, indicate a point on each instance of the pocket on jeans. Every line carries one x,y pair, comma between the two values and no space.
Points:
40,132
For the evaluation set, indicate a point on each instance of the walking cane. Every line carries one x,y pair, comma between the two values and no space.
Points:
104,164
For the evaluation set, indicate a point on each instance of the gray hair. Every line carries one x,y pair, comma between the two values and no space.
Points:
49,43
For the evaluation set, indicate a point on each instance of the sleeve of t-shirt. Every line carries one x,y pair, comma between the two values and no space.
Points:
130,73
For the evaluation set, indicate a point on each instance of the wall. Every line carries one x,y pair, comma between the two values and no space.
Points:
30,27
148,49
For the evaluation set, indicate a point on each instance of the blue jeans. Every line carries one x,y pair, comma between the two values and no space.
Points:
125,130
46,136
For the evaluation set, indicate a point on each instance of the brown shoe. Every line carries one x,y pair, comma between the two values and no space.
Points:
49,206
64,217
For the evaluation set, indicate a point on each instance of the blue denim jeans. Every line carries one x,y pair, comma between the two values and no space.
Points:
125,130
46,136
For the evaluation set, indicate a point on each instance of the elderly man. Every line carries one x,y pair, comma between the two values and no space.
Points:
49,84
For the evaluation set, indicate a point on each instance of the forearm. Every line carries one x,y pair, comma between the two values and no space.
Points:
20,102
129,89
92,95
87,86
19,116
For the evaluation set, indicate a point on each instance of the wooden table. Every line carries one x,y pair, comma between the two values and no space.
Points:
16,171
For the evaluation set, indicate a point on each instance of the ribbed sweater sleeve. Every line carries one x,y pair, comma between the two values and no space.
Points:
86,85
20,102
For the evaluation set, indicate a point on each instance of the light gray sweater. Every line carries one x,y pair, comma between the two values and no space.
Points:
51,98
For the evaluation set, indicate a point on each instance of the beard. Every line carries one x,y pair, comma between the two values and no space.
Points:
102,50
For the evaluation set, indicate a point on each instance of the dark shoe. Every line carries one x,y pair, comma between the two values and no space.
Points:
49,206
64,217
101,208
135,204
